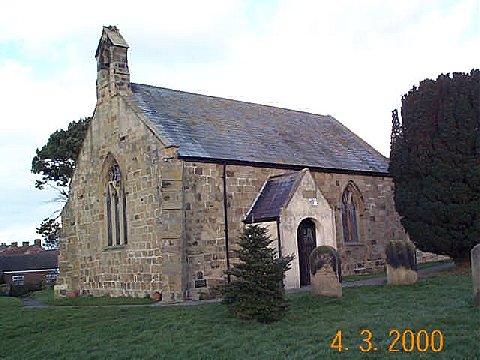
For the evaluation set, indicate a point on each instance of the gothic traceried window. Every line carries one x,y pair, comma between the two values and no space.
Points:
349,207
116,207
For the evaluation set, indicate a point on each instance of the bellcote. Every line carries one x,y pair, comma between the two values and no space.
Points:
113,76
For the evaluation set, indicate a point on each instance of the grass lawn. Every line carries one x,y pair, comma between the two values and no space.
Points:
350,278
208,332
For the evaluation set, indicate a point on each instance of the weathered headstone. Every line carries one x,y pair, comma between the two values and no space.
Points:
325,272
475,258
59,291
401,263
5,290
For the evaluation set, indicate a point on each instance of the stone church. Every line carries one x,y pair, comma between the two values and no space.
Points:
167,180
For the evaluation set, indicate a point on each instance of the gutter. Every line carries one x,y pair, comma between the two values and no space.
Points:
295,167
186,267
28,271
279,240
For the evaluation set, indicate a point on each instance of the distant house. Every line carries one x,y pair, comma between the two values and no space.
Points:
26,248
30,267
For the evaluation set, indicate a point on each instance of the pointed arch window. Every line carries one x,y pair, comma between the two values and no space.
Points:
116,207
350,217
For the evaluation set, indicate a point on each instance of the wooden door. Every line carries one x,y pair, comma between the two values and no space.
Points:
306,241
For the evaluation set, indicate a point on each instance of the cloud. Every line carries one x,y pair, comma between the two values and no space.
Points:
31,110
353,60
56,21
18,233
23,214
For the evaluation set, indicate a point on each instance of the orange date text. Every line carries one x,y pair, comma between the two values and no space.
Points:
398,341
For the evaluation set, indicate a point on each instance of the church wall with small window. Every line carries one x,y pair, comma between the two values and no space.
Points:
121,234
365,204
129,208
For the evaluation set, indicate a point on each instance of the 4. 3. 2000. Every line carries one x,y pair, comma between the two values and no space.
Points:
407,341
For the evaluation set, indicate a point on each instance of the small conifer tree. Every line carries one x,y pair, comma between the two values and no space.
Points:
256,291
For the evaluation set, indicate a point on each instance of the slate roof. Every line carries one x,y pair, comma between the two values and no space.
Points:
39,261
273,196
221,129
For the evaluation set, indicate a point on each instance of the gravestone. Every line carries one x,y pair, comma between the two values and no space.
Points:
59,291
475,258
401,263
325,272
4,290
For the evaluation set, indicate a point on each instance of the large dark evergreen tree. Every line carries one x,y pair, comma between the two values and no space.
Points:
55,162
256,291
435,164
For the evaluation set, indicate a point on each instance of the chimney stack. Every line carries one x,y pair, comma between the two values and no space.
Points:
14,244
25,244
38,242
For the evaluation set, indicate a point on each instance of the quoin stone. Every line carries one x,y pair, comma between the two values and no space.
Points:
325,272
401,263
475,258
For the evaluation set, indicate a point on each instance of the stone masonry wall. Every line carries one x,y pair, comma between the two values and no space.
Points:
152,260
205,221
205,225
158,211
379,221
168,222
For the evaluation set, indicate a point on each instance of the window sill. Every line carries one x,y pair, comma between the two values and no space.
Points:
114,247
353,244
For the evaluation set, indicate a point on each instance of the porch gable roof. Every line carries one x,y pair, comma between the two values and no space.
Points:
272,198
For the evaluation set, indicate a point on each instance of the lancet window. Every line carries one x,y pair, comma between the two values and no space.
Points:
350,206
116,207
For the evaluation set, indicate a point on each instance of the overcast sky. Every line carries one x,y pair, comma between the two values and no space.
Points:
350,59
